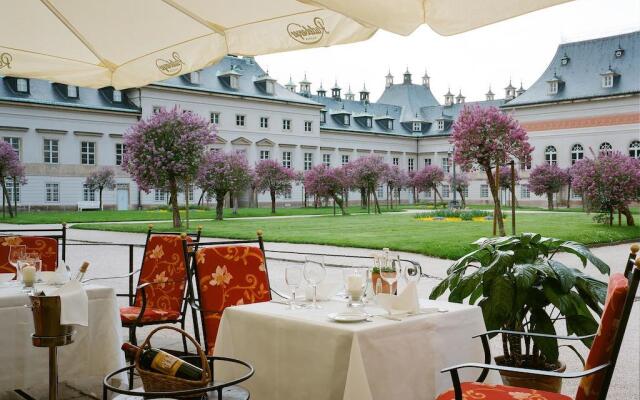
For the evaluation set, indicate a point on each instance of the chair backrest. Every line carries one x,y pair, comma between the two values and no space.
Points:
632,258
606,345
164,264
46,247
228,275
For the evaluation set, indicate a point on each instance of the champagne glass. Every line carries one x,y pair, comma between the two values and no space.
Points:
16,254
389,274
293,278
314,273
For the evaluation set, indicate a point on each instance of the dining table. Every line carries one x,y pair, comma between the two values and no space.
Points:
304,354
82,365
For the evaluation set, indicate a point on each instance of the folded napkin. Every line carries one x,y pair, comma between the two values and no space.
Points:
74,304
404,303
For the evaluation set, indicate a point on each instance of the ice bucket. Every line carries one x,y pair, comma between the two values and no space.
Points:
46,318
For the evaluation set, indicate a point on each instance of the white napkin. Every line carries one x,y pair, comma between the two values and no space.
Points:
404,303
74,304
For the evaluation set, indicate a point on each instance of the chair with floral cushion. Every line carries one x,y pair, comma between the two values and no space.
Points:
598,369
164,283
50,244
228,273
632,258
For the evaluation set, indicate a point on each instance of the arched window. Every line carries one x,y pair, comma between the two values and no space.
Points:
634,149
606,148
577,153
551,155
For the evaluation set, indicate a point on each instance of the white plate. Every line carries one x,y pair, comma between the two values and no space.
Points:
348,317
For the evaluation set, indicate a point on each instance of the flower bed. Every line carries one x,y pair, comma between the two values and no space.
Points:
456,216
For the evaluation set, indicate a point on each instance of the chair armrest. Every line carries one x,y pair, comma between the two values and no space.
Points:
564,375
536,334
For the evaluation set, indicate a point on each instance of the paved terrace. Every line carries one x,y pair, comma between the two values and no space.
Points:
111,261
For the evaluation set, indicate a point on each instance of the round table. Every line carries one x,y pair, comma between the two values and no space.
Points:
216,389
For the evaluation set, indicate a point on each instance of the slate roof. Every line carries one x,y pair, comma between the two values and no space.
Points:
249,72
410,96
450,114
584,62
47,93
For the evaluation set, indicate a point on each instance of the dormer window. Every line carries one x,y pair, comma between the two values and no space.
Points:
608,78
390,124
369,122
269,87
619,52
553,87
565,60
234,81
346,119
555,84
416,126
323,116
194,77
22,85
72,92
117,96
440,124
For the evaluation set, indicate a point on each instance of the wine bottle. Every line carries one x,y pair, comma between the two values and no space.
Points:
163,362
82,271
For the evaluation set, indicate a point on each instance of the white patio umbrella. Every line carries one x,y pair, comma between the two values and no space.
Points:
129,43
446,17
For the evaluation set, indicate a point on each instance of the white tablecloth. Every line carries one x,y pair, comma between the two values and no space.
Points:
301,354
82,364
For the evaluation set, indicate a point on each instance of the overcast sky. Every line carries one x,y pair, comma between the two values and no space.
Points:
519,49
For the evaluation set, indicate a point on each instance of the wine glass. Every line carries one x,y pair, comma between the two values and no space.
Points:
389,274
293,278
412,273
16,254
314,273
356,282
29,267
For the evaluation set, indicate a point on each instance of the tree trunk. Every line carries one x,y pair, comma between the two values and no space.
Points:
6,196
549,200
436,192
463,203
337,200
201,198
273,201
235,204
363,198
173,189
628,215
376,205
496,201
100,194
220,205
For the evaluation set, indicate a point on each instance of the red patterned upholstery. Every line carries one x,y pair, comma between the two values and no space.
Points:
602,346
130,314
481,391
164,267
45,246
229,276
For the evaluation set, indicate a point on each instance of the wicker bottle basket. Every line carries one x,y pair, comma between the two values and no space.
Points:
157,382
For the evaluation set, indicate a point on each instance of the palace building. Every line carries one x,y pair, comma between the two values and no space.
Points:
587,100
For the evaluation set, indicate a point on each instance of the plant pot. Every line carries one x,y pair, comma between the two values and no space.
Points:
385,286
524,380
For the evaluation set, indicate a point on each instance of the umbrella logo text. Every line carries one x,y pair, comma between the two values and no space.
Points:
5,60
172,66
308,34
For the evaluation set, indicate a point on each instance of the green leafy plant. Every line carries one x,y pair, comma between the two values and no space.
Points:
521,287
465,215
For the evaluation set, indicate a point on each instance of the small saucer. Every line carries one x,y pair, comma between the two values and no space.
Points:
348,317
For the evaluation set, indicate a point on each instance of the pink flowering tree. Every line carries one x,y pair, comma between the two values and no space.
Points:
10,167
396,179
460,184
608,182
428,178
505,177
367,173
547,180
101,179
486,138
323,181
223,173
272,177
165,151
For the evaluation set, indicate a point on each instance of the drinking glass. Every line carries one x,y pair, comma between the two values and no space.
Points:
17,253
29,268
293,278
389,274
356,283
412,273
314,273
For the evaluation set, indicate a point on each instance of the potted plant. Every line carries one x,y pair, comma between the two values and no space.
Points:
521,287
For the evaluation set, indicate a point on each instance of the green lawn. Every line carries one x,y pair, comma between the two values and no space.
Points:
56,217
401,232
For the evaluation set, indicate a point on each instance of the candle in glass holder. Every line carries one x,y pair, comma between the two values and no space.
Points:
354,286
28,274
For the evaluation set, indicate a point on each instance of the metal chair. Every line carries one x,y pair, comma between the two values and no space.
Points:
600,365
227,273
49,243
